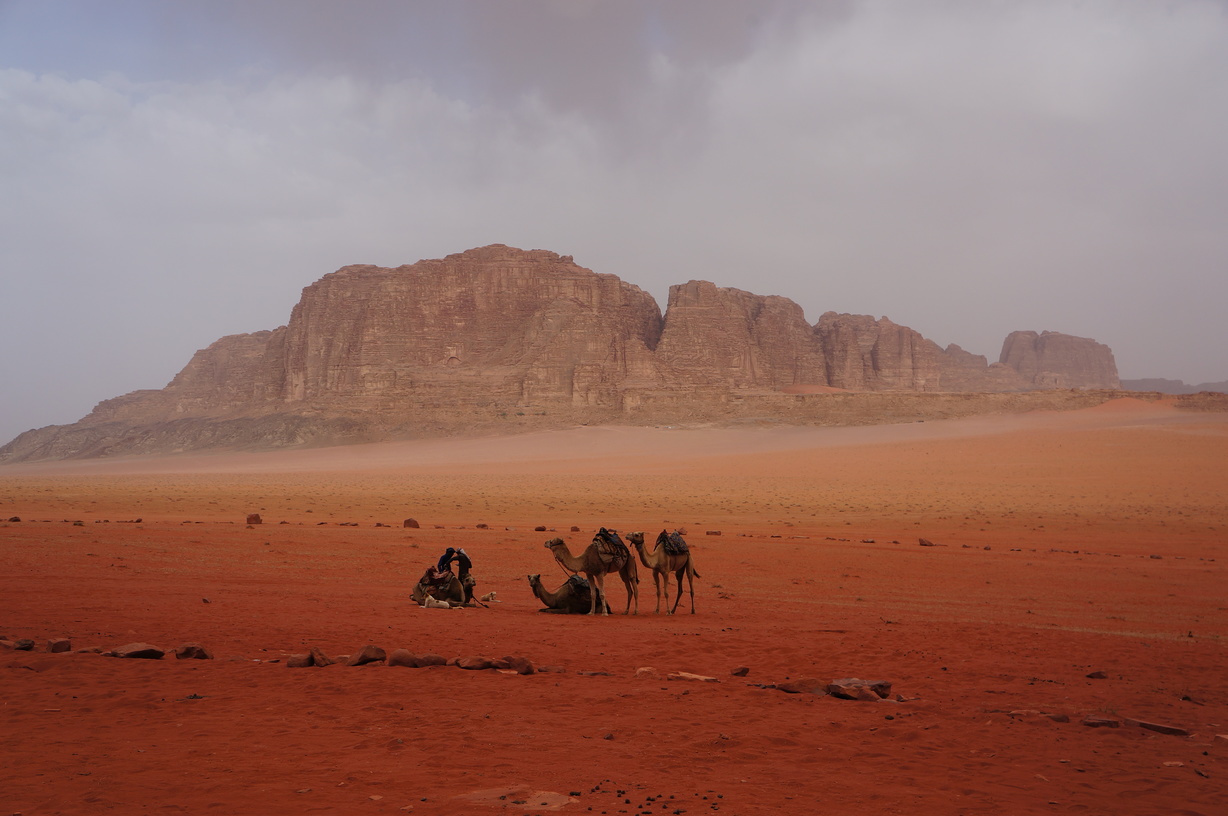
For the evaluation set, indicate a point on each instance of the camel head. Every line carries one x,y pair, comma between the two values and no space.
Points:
636,538
555,542
534,580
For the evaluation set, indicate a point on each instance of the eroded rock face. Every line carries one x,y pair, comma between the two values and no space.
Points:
529,327
727,338
1056,360
498,333
864,354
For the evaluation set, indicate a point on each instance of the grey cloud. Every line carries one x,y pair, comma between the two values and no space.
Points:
967,169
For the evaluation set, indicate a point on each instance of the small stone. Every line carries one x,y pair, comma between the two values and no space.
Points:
141,651
712,532
424,660
367,654
647,673
401,657
1160,728
192,651
318,658
521,665
409,522
475,663
299,661
254,518
740,671
803,685
698,678
57,645
23,645
1101,722
1097,675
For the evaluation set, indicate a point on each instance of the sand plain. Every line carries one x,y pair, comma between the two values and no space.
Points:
1067,544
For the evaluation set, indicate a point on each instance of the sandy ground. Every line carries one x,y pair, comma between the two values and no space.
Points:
1065,545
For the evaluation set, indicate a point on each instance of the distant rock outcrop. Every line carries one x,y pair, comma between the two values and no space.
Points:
496,336
1053,360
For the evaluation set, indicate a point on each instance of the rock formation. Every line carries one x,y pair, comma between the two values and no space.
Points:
1054,360
495,334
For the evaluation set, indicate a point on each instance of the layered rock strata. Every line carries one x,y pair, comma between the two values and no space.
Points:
497,333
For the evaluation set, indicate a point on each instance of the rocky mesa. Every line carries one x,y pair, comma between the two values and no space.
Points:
498,337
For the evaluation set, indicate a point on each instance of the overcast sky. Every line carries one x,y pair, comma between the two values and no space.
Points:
175,172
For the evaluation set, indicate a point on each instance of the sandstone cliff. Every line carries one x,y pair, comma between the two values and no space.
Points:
1055,360
490,336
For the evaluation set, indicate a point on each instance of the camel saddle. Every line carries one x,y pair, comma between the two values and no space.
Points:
435,578
673,543
578,582
610,547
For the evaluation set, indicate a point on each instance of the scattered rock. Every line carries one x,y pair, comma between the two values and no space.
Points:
409,522
541,528
1101,722
1097,675
740,671
56,645
254,518
1159,728
575,529
851,688
647,673
299,661
925,542
192,651
367,654
143,651
803,685
700,678
402,657
318,658
474,663
521,665
712,532
423,660
23,645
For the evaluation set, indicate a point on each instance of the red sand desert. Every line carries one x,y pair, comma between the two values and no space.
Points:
1076,588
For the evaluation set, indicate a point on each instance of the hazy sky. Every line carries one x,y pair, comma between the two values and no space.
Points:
175,172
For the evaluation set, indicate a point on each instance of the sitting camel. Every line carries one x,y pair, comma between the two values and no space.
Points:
662,562
573,597
451,590
606,554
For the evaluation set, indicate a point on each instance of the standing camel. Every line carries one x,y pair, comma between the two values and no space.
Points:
662,562
606,554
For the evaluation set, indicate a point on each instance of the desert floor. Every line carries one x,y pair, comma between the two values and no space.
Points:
1066,544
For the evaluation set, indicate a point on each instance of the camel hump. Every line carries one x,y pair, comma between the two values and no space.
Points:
673,543
610,547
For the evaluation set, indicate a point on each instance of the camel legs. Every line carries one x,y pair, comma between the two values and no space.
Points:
596,584
656,583
627,573
690,585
